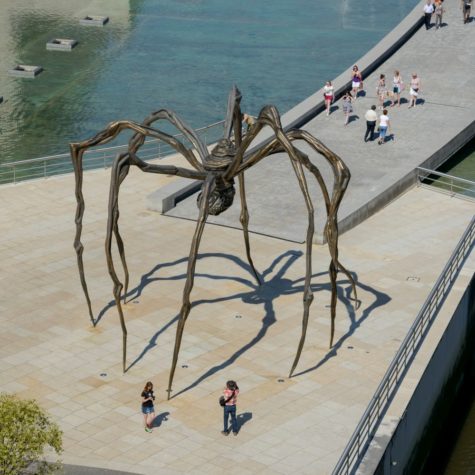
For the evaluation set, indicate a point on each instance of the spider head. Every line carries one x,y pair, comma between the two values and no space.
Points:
221,155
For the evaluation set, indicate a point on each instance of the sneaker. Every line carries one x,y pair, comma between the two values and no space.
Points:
224,432
235,433
147,429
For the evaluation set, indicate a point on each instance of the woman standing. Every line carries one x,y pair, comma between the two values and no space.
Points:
438,12
397,89
347,106
230,395
148,410
384,125
381,90
466,6
415,90
328,95
356,81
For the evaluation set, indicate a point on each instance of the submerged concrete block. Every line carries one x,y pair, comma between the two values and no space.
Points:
61,44
94,20
25,71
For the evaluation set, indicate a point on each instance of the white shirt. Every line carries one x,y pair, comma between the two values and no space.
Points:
428,8
383,120
371,115
328,90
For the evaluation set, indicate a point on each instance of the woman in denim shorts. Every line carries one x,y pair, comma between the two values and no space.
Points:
148,410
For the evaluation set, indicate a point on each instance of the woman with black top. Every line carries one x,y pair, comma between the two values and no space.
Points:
148,410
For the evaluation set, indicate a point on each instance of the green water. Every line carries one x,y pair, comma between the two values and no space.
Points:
179,54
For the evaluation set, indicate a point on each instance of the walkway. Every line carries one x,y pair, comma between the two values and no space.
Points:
445,62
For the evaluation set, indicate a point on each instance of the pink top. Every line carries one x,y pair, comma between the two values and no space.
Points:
227,393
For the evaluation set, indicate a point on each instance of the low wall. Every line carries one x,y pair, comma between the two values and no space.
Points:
406,182
430,405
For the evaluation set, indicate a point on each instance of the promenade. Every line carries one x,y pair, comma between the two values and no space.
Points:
49,350
445,62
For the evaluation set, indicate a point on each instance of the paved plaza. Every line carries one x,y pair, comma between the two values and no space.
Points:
50,351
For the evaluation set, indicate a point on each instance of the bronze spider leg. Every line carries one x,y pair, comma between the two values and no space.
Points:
233,124
342,178
244,219
190,274
234,108
169,116
120,170
77,151
269,116
138,139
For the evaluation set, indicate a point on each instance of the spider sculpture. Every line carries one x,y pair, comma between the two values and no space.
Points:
217,169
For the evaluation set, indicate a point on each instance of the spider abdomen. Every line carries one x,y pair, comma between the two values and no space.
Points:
219,200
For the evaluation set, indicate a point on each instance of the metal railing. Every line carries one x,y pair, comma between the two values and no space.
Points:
446,183
14,172
372,417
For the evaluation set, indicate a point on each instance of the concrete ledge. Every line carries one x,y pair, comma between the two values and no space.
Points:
402,185
61,44
94,20
25,71
166,197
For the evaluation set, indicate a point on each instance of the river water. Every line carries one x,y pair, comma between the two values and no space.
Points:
179,54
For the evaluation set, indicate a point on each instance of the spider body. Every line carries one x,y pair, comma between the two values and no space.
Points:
229,159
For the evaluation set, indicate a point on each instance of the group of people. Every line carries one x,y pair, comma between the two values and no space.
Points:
228,401
435,8
382,93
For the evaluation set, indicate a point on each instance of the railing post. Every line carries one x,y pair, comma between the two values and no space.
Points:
14,175
44,169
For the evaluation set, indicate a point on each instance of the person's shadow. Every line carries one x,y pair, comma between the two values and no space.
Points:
157,422
243,418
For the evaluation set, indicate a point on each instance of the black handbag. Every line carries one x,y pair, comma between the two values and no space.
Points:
223,400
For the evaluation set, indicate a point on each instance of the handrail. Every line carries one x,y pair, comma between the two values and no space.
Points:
453,184
374,413
43,167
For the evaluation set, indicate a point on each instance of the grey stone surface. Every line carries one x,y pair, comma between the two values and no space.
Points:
166,197
424,136
25,71
61,44
94,20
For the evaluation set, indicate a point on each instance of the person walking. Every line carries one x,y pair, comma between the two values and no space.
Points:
347,105
384,126
466,6
398,86
328,95
371,118
428,10
356,81
414,90
381,90
438,12
249,121
230,395
148,409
